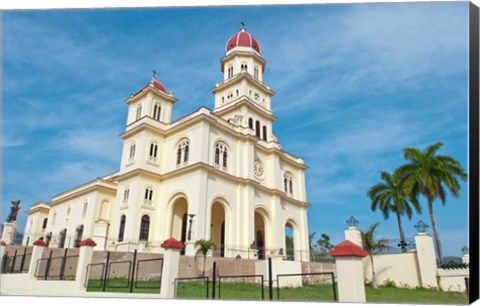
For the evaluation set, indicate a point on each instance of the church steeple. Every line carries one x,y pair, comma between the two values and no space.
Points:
152,100
242,96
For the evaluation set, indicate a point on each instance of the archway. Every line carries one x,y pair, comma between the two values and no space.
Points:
178,228
289,242
259,230
217,228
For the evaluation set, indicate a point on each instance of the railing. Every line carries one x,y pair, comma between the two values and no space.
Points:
125,275
57,268
17,263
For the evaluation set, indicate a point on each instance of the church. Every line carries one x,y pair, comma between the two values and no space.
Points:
216,174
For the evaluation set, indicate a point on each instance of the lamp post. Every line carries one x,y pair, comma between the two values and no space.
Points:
190,226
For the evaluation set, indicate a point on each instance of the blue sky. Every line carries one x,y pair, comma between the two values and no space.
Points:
355,84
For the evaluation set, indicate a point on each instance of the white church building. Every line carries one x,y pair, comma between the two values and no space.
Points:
216,174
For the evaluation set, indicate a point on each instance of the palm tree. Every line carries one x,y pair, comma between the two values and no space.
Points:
388,196
205,246
428,174
372,246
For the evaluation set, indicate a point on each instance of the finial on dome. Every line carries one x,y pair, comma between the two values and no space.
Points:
243,26
154,74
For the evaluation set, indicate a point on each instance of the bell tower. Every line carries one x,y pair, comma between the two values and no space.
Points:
242,98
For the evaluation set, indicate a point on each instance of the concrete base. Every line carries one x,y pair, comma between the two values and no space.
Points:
280,267
9,232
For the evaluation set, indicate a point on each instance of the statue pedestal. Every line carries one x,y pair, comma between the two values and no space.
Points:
9,232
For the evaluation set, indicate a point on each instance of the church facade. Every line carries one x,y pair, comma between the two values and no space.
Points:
216,174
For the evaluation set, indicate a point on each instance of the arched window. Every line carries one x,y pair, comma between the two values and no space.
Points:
61,240
121,231
126,194
44,225
157,111
255,73
221,156
149,193
264,133
182,152
250,123
132,152
138,114
288,182
153,151
257,128
230,71
78,236
85,207
144,228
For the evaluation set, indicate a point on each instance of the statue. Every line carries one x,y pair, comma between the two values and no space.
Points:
14,211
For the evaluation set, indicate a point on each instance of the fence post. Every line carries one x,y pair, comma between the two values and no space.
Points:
214,279
171,260
13,261
466,285
84,259
37,252
47,266
106,272
132,277
270,280
62,266
349,266
22,263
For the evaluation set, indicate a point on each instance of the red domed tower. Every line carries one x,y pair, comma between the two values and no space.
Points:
242,98
242,39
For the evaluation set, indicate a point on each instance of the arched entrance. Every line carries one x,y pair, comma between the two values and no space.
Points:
289,242
178,228
259,230
217,226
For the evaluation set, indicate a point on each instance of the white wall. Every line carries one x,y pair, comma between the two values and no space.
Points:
400,268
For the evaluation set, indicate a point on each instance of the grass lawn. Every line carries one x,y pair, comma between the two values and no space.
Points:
311,293
414,296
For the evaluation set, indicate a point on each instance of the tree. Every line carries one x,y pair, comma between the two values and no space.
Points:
388,196
428,174
310,242
205,246
324,244
372,246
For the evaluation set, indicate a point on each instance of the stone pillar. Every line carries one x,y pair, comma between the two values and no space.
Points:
171,260
100,233
9,232
84,259
37,252
427,263
349,266
2,249
354,235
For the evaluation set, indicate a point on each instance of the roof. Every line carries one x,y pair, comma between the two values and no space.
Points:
347,248
242,39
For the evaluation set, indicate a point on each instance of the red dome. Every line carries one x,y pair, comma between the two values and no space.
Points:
243,39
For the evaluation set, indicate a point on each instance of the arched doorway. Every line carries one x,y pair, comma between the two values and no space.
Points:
289,242
178,228
217,228
259,230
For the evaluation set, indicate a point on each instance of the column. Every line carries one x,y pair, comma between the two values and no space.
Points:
427,263
349,266
84,259
171,260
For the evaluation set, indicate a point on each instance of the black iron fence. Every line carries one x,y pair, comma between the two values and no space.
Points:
284,287
18,262
130,275
58,267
